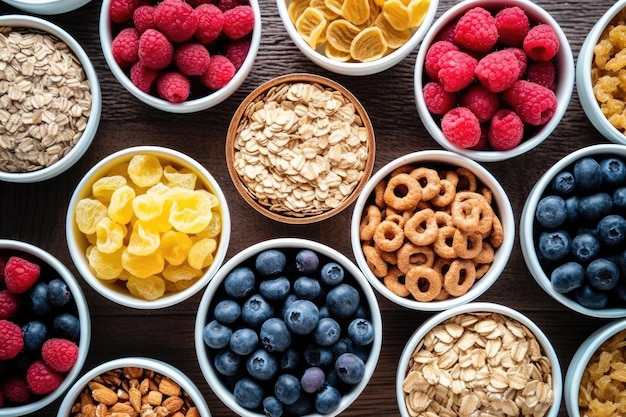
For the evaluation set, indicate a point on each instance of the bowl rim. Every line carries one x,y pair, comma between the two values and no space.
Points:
261,90
209,373
63,164
189,106
47,7
83,316
565,86
438,157
156,365
357,68
78,256
527,221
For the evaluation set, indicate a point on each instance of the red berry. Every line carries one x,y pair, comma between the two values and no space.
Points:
173,87
435,51
121,11
11,341
446,34
210,22
16,390
542,73
476,30
237,51
143,18
238,22
155,50
59,354
3,263
461,127
20,275
192,59
498,70
227,4
220,72
482,102
125,47
522,59
533,103
456,70
143,77
541,43
9,304
505,130
175,19
513,25
438,101
42,379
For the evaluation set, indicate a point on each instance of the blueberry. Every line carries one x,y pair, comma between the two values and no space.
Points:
256,310
243,341
350,368
591,298
216,335
327,332
571,207
343,300
287,388
327,399
274,335
275,289
324,311
361,332
595,206
34,333
290,360
270,262
551,211
342,346
619,197
563,183
227,362
332,274
261,365
555,245
67,325
318,355
302,406
59,294
307,261
272,407
567,277
239,282
613,171
312,379
39,302
227,311
307,288
612,230
248,393
587,174
585,247
602,274
301,317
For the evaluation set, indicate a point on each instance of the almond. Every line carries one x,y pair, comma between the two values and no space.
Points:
193,412
173,403
104,395
131,372
169,387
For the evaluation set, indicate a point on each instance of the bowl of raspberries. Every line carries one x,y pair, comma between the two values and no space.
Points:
499,91
573,231
180,56
288,327
44,328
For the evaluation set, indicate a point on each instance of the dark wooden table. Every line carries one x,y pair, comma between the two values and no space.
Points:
35,213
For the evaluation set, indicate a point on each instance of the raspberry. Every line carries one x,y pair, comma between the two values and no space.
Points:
498,70
173,87
192,59
456,70
522,60
476,30
505,130
438,100
446,34
20,275
42,379
175,19
220,72
11,341
59,354
121,11
542,73
461,127
436,50
143,18
155,50
238,22
483,142
541,43
125,47
9,303
16,390
196,3
227,4
143,77
3,263
533,103
513,25
210,22
482,102
237,51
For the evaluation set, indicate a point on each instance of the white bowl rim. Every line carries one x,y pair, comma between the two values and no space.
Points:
48,7
289,243
156,365
564,88
63,164
438,157
425,327
527,243
127,299
84,318
189,106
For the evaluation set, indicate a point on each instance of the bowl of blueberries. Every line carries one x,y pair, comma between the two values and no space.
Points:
288,327
573,231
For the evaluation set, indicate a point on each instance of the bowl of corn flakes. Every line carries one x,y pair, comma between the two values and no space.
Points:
147,227
600,91
357,37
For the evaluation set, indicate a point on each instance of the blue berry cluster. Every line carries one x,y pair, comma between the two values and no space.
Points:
289,333
580,231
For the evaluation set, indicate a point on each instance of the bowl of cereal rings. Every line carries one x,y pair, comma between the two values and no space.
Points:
496,93
496,361
357,37
432,230
147,227
599,89
572,231
311,154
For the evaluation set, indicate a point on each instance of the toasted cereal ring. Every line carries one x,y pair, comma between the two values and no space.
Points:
395,38
410,255
429,180
486,193
467,180
403,192
369,222
335,54
442,265
388,236
443,295
310,25
340,34
460,277
296,8
394,282
443,244
356,11
390,257
451,176
421,228
404,169
481,269
470,212
486,254
445,197
443,219
374,261
368,45
423,282
496,238
397,14
467,244
379,192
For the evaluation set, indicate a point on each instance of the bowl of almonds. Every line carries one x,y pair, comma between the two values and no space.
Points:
300,148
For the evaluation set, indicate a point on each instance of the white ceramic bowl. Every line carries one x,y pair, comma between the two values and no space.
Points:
289,246
78,243
158,366
565,82
545,344
107,35
437,158
47,7
584,85
31,22
528,222
353,67
47,260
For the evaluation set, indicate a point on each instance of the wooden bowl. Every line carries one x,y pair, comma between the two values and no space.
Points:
275,165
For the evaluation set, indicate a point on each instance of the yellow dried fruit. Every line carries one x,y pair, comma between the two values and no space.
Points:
201,253
104,187
149,288
175,246
89,212
190,211
143,266
368,45
145,170
120,208
109,235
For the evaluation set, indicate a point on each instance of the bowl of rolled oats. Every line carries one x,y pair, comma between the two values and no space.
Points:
133,385
47,7
600,91
479,358
300,148
51,100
